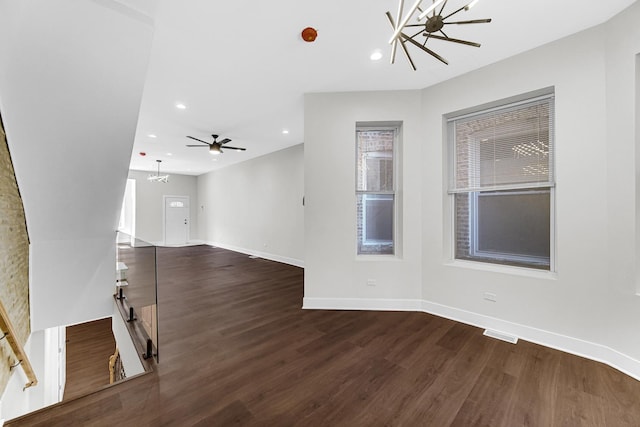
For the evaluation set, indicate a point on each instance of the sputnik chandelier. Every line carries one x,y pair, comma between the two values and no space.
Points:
431,28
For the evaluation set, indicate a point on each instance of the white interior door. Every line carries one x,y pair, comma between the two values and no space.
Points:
176,220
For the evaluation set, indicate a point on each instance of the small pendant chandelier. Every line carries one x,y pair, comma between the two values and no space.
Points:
157,177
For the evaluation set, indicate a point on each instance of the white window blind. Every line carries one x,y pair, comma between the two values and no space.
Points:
504,148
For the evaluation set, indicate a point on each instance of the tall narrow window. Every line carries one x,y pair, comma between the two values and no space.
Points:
375,189
502,184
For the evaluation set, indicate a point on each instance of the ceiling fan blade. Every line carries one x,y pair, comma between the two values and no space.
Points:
234,148
449,39
473,21
202,146
204,142
224,141
424,48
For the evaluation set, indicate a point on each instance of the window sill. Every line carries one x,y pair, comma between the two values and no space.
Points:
382,257
504,269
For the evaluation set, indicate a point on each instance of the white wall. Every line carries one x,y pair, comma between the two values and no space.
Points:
571,301
589,305
332,270
149,204
623,161
71,80
256,207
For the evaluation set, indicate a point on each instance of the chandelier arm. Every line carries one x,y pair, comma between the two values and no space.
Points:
406,53
473,21
453,13
426,49
442,8
398,28
394,47
416,34
449,39
402,45
434,5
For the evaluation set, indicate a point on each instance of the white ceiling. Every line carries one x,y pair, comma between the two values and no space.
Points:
242,69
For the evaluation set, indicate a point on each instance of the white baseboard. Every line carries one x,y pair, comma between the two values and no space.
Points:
272,257
360,304
194,242
578,347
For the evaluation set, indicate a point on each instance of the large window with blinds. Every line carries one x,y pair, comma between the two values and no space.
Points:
375,188
502,183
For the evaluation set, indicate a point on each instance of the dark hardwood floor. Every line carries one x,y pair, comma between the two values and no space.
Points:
89,346
236,349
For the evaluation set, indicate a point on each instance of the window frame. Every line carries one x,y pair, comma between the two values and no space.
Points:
372,126
498,259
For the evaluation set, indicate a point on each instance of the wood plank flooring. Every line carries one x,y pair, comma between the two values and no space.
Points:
236,349
89,346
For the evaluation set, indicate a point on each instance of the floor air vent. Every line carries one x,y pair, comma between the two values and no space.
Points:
500,336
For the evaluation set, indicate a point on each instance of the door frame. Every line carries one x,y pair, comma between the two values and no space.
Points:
164,217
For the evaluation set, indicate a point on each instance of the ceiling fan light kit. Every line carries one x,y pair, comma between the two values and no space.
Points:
436,20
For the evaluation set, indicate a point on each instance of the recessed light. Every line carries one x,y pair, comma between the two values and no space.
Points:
152,135
181,106
376,55
169,154
285,131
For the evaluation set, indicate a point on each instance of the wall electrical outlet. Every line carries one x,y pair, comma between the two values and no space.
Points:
490,296
371,282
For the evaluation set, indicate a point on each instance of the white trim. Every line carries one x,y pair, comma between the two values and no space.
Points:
576,346
502,268
360,304
194,242
272,257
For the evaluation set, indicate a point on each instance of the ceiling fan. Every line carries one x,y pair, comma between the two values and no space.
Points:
215,146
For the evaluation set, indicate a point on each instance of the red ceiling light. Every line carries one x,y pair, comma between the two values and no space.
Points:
142,153
309,34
